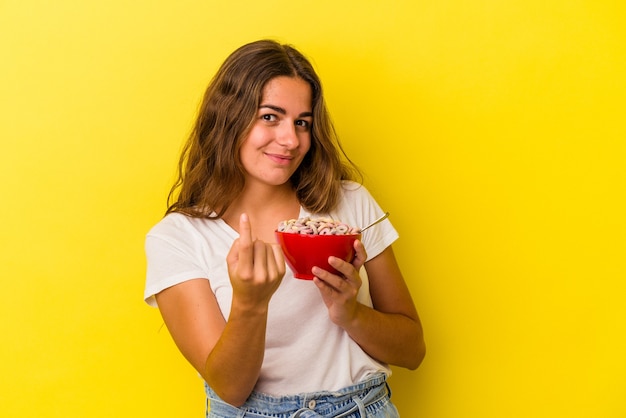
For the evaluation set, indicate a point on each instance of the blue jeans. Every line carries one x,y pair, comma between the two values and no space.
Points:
368,399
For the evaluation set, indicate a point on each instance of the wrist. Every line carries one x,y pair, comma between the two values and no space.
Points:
248,309
351,318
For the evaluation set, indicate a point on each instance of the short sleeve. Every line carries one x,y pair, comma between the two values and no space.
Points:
363,209
169,262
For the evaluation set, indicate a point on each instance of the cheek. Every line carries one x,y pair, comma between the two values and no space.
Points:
305,143
256,137
247,153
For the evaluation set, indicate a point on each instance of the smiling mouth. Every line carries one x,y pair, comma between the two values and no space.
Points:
280,158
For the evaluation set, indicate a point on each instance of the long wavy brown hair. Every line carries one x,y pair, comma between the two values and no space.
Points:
210,173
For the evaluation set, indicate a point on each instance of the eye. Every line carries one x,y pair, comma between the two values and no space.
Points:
303,123
269,117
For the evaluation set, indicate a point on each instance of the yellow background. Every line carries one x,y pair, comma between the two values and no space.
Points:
493,131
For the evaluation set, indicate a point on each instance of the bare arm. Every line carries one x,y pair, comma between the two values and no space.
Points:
391,332
220,350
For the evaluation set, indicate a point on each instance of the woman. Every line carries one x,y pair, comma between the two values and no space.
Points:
263,150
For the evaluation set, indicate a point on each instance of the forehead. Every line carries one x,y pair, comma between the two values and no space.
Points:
285,90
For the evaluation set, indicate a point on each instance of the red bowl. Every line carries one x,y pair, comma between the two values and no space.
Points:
303,251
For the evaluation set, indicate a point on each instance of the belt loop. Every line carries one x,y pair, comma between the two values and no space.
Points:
361,406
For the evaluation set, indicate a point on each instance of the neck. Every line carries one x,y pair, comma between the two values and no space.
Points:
254,199
265,207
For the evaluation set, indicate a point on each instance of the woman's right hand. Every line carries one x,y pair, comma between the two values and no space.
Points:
256,268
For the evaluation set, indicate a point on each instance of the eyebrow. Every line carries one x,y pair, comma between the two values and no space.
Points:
283,111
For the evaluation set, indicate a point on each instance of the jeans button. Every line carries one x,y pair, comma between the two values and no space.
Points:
312,404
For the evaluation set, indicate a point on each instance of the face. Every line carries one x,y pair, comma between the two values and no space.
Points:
281,134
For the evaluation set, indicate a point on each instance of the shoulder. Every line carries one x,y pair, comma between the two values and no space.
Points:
190,231
173,224
355,196
173,233
352,190
356,205
359,208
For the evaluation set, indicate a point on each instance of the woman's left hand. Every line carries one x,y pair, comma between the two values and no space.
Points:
339,292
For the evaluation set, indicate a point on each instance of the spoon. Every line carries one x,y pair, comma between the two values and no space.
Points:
382,218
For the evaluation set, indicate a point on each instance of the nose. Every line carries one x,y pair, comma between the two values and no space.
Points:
288,137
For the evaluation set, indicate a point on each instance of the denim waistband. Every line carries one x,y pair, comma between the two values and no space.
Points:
353,401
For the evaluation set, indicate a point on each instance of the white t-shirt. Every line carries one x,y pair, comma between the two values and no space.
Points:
304,350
